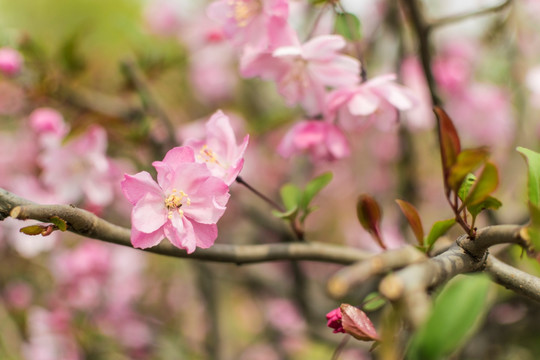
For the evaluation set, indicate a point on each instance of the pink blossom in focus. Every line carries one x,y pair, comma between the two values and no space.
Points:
302,72
184,205
334,321
219,150
251,22
320,139
10,61
359,106
80,169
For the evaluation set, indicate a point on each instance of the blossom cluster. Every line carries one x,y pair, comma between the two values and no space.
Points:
191,191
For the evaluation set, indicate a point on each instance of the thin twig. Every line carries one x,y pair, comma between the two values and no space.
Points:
467,15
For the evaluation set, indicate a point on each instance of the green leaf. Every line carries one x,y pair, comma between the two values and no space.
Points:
533,162
60,223
455,315
466,186
448,142
314,187
373,301
437,230
33,229
291,196
489,203
532,231
370,215
289,214
466,162
413,218
348,26
487,182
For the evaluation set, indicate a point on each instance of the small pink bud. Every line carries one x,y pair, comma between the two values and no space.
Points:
10,61
48,120
356,323
334,320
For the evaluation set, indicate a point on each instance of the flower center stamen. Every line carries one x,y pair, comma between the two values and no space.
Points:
244,11
175,201
207,155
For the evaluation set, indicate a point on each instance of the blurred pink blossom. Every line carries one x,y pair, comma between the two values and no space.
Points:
302,72
49,125
421,116
18,294
163,17
359,106
453,66
50,336
483,115
320,139
10,61
283,315
184,205
80,169
219,150
251,22
532,80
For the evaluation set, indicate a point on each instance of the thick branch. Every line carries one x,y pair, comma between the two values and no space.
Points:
87,224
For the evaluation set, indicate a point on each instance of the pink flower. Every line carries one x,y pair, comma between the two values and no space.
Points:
353,321
49,124
420,117
184,205
358,106
219,150
10,61
162,17
80,169
302,72
334,321
322,140
251,22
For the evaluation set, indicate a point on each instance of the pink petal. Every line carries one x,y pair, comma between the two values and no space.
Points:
323,47
171,161
149,214
340,72
143,240
208,203
363,103
135,187
206,234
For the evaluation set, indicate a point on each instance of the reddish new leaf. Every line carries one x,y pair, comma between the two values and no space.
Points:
448,141
356,323
413,218
369,214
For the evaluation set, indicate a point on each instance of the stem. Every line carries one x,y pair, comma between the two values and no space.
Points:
269,201
460,17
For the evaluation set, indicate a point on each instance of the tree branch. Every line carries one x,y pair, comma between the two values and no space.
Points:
513,279
85,223
467,15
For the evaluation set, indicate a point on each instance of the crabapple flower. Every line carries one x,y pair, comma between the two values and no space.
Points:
80,169
355,105
49,124
251,22
10,61
184,205
219,151
302,72
322,140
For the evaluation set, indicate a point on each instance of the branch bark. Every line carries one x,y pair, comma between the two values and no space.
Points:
85,223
